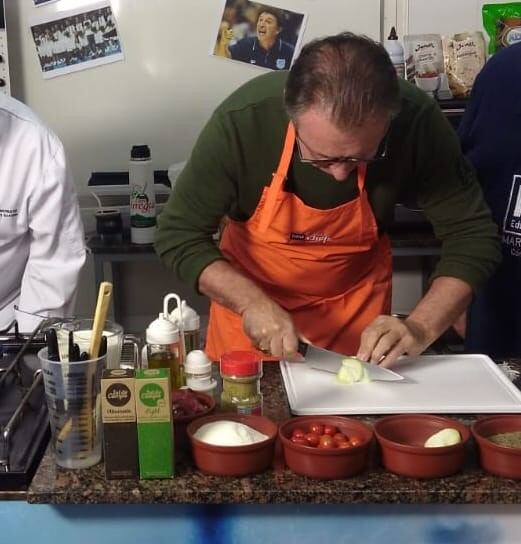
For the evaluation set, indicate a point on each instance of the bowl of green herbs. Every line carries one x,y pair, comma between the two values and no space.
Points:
499,441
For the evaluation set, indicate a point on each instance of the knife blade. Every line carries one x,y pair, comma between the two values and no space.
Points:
329,361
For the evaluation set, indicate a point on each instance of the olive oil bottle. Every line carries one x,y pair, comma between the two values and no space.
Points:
163,348
160,356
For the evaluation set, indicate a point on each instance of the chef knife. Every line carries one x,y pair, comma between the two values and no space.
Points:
329,361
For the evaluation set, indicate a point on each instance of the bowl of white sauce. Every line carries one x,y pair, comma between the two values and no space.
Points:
232,444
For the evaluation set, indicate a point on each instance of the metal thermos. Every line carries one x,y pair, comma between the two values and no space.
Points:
142,196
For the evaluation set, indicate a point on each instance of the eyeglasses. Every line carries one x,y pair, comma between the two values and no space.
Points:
380,154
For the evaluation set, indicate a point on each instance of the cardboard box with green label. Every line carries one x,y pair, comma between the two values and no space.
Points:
154,424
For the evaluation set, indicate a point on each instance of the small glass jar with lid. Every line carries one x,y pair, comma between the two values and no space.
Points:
198,372
241,372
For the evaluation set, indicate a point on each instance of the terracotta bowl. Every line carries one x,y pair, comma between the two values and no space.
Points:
401,440
234,460
326,464
499,460
181,440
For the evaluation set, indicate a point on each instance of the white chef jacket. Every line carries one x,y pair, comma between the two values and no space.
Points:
42,244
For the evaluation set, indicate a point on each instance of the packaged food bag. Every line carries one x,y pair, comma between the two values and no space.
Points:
464,58
502,23
423,56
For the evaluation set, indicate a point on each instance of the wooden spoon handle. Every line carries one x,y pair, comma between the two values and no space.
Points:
100,316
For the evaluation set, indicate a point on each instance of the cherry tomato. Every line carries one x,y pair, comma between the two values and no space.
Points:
326,442
355,441
316,428
312,439
345,444
298,432
299,440
331,430
339,437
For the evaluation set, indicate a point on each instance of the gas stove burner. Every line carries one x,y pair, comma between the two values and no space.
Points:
24,425
13,343
12,340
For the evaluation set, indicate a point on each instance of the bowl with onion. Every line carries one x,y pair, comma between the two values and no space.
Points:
422,445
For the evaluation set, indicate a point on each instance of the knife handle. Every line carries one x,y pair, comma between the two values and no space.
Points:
302,348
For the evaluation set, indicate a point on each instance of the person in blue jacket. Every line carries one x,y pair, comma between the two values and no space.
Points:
267,49
490,135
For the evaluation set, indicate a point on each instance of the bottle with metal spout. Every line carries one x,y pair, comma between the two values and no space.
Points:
164,344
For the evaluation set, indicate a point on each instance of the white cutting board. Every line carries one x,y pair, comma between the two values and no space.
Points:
454,384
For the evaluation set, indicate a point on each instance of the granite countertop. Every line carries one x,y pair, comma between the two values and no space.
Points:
55,485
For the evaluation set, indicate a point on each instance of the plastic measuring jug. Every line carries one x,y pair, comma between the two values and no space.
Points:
72,391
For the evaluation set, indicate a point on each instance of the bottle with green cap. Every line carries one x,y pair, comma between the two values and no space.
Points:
142,196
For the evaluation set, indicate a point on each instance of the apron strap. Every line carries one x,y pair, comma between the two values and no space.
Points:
361,173
278,179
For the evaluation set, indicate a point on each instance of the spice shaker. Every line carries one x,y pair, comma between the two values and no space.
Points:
164,345
198,372
189,323
241,372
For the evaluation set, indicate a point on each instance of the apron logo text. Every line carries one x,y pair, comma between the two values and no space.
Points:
313,238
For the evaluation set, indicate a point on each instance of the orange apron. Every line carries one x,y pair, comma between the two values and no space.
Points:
327,268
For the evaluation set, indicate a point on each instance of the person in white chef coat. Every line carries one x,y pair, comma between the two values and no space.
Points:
42,245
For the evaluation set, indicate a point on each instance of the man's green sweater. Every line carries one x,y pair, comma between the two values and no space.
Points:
239,149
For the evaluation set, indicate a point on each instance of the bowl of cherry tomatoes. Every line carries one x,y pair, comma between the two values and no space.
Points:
326,447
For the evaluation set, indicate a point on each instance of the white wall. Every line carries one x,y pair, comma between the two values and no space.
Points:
168,84
444,17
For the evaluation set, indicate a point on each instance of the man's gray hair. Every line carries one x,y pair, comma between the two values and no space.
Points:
349,77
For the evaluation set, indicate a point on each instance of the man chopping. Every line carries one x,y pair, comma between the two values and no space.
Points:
307,166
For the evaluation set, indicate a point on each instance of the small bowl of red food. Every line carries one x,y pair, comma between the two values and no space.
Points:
188,405
499,441
326,447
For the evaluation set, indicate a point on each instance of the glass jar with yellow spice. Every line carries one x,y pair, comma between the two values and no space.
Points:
241,372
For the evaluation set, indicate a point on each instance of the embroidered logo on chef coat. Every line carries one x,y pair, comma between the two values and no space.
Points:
8,212
512,223
312,238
